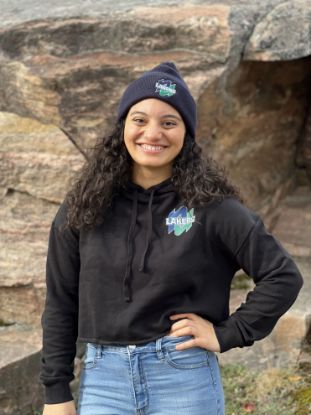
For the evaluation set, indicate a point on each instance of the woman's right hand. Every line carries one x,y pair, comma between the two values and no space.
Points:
65,408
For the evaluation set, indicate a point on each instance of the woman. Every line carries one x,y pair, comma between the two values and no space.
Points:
141,256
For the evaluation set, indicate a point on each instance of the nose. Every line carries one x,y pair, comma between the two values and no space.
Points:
153,131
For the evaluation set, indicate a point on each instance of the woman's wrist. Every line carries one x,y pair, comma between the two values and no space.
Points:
65,408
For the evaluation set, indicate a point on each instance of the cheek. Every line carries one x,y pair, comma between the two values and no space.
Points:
127,136
180,143
129,133
129,144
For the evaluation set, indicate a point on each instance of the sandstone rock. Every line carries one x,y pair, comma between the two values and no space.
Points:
305,354
71,72
24,228
252,126
36,159
284,33
304,148
77,68
37,162
293,225
20,391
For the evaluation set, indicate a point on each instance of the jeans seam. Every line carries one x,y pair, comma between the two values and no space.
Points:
211,369
132,377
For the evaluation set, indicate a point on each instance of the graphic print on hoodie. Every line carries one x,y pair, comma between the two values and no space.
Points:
180,220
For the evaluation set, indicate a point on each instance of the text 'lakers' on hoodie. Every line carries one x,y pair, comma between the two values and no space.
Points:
153,257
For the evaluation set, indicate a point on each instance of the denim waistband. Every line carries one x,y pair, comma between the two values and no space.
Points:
152,346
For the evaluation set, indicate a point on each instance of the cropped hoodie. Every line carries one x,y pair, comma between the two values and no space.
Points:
119,282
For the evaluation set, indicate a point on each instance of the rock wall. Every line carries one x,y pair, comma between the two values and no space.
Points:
63,67
253,124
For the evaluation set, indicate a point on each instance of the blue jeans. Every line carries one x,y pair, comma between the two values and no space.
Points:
150,379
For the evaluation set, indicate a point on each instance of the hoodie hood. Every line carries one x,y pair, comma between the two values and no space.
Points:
148,197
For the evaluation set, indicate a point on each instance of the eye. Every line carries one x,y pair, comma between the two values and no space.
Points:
138,120
169,123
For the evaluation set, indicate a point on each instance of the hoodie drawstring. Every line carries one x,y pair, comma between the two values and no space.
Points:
126,279
126,283
148,233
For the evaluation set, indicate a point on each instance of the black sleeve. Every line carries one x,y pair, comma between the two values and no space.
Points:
276,277
60,315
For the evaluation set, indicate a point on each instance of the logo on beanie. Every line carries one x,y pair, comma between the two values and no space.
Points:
165,88
180,220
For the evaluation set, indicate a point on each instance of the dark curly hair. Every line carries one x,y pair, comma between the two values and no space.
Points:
108,167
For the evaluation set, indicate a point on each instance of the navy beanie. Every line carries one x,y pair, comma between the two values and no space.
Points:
165,83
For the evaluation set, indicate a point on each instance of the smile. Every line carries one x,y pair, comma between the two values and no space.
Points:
151,149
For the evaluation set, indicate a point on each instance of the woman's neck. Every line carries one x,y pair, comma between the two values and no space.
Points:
148,177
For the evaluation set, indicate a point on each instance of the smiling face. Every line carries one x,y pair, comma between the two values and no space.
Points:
154,134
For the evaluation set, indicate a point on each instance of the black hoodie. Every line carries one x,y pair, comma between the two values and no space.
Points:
152,257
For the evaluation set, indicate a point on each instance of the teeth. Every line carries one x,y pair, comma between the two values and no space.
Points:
151,148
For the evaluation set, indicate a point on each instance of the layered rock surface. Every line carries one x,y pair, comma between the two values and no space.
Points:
63,66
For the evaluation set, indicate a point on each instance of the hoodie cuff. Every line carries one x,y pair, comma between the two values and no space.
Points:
58,393
228,337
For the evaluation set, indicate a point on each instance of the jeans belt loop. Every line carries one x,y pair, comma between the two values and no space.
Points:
159,348
98,351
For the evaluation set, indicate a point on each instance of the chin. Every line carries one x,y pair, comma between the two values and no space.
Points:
151,163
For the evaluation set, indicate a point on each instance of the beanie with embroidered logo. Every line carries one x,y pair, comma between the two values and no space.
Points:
163,82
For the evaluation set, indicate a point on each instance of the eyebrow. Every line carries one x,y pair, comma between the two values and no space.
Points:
163,116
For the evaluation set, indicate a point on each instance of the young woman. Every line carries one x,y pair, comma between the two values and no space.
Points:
140,260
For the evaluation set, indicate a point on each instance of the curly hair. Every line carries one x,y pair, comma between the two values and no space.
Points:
198,179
